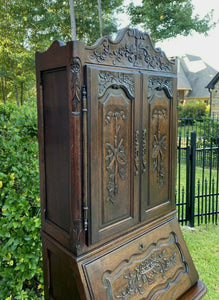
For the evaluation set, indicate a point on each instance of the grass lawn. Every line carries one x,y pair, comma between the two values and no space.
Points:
203,244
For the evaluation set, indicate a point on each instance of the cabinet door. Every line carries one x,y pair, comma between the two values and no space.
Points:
113,123
158,136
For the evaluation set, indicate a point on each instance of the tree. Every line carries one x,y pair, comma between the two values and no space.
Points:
168,18
27,26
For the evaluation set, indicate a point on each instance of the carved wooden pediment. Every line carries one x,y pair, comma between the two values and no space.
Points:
131,48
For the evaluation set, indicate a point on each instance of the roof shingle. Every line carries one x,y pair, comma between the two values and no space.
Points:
193,70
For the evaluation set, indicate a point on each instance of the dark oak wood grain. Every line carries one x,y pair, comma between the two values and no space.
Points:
107,140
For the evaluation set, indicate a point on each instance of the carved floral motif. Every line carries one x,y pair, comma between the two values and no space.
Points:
144,151
158,152
159,147
137,160
146,273
143,155
116,157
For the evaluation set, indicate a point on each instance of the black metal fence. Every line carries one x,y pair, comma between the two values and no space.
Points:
197,191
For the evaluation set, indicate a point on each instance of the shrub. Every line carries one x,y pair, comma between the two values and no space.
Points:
192,110
20,255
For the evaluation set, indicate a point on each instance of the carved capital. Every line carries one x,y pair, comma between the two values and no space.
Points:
77,231
76,83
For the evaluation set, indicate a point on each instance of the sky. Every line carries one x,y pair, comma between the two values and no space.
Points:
207,47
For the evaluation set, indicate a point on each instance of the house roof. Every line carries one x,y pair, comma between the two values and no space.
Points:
182,81
212,83
197,73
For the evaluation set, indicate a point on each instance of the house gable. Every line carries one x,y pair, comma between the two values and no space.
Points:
197,74
213,87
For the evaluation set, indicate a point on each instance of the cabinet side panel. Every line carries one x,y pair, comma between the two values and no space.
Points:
63,285
56,141
61,277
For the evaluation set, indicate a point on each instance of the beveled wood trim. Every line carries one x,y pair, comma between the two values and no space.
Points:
196,292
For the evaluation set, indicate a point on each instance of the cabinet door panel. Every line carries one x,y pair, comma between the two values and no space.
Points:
157,118
112,119
116,127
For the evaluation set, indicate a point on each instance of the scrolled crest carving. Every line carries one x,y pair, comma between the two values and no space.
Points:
158,84
116,80
131,47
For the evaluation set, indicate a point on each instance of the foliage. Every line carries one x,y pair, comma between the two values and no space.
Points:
168,18
192,110
204,248
88,26
210,128
194,116
28,26
20,256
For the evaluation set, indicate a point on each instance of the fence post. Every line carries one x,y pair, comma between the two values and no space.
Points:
217,180
192,178
188,181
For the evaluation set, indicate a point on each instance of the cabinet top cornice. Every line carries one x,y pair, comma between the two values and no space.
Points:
131,48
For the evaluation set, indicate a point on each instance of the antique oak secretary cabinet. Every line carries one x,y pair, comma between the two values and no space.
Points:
107,138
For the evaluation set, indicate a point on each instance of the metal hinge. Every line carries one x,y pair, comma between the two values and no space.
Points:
85,197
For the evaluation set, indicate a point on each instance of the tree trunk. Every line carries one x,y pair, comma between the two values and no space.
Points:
22,93
2,88
16,93
73,22
100,17
4,92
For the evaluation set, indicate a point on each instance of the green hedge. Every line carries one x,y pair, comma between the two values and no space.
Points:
20,243
193,110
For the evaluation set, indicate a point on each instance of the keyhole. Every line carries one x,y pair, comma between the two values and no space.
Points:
141,246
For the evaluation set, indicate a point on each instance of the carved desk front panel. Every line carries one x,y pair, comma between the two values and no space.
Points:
148,267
